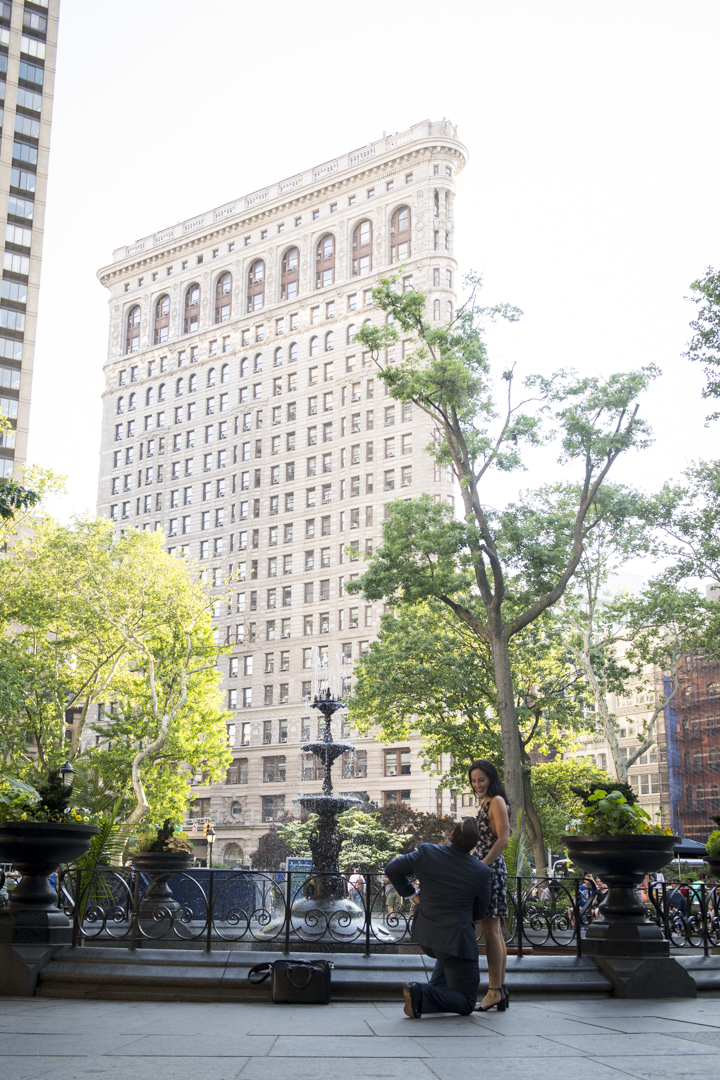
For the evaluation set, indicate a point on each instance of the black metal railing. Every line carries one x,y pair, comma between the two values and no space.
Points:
289,909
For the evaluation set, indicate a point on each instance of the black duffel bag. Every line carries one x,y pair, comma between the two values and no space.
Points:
296,982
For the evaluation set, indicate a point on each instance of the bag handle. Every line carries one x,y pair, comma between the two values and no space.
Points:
259,973
308,971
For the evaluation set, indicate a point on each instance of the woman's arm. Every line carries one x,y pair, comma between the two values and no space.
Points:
500,826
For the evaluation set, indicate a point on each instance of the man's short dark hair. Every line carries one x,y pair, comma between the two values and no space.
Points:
465,835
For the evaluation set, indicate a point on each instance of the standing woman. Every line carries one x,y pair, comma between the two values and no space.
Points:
494,828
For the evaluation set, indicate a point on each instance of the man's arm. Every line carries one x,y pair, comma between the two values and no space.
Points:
399,872
482,896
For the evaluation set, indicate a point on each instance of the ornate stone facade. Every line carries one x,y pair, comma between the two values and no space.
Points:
247,424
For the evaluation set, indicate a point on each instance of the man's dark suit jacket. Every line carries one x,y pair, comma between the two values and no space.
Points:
454,893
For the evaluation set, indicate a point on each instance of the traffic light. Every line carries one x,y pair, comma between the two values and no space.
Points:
206,829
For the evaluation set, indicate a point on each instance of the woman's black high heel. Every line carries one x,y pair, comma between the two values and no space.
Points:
500,1005
506,992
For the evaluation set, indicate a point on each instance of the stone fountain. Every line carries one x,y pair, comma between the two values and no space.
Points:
322,912
330,888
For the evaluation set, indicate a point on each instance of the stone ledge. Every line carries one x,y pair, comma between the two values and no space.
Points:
159,975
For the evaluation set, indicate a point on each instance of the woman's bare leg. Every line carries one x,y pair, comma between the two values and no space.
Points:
496,958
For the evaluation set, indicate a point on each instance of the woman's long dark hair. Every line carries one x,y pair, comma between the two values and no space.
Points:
495,786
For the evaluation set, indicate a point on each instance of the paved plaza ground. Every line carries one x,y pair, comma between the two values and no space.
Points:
601,1038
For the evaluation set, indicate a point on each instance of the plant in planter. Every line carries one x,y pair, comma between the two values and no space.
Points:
159,855
617,840
39,830
712,848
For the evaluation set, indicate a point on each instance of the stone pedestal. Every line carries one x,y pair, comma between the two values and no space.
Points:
647,978
29,940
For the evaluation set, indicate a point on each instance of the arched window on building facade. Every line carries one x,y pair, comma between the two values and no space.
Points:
325,262
223,298
290,273
132,339
256,286
162,320
192,308
362,249
400,235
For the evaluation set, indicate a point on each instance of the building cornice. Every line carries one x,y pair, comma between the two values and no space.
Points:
312,185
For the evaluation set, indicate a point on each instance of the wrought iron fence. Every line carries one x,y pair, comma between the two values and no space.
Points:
223,908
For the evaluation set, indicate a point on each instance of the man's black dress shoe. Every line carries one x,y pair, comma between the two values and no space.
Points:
413,1000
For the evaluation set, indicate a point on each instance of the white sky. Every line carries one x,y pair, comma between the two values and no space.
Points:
590,199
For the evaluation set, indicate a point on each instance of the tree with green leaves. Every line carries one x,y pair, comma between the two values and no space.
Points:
556,787
91,620
618,642
704,346
415,826
425,552
366,843
429,674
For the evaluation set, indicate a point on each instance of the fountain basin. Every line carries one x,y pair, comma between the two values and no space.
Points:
327,805
327,752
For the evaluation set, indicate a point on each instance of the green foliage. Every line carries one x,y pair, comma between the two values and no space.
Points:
712,845
474,566
15,497
365,842
88,619
429,674
415,826
517,853
556,786
272,851
167,838
49,800
610,814
704,346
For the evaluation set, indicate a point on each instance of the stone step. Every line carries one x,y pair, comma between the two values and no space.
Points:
705,970
188,975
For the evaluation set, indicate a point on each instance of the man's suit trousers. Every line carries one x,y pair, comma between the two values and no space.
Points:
453,986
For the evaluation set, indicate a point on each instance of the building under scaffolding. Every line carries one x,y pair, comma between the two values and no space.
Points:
690,749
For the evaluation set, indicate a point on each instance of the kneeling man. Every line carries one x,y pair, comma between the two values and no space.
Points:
454,893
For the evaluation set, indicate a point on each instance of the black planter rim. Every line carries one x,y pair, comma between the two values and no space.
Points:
160,857
53,826
626,840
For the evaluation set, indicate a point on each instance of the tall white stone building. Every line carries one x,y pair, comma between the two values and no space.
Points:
243,420
28,43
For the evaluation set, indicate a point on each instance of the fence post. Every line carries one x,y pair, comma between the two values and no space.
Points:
288,909
210,904
76,907
134,923
578,919
704,919
367,914
519,915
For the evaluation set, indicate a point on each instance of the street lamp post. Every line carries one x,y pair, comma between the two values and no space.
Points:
210,837
66,774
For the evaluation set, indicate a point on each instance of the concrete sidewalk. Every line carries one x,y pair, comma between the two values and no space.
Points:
69,1040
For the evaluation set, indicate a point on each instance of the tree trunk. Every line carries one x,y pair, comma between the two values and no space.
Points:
512,753
602,709
533,824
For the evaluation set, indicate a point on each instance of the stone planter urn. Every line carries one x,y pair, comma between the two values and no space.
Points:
159,867
713,862
630,951
36,849
622,862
